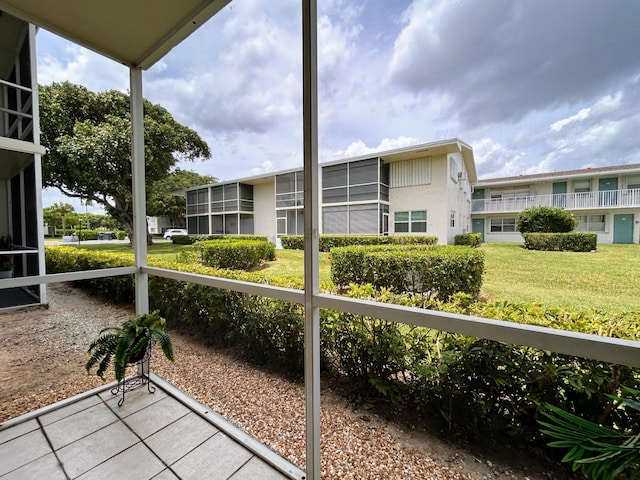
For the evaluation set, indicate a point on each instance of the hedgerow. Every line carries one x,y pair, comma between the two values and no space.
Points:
327,242
236,254
468,239
432,271
480,387
191,239
567,242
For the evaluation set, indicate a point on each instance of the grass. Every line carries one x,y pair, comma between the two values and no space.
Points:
608,279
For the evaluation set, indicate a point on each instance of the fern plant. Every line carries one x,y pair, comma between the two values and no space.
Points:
599,452
127,344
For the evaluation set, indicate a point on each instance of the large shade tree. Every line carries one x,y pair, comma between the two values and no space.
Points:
88,140
162,200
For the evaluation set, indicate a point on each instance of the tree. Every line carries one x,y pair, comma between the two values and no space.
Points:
546,220
88,140
59,214
160,200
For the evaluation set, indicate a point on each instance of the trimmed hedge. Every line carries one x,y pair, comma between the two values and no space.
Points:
236,254
86,234
432,271
327,242
479,387
571,242
469,239
191,239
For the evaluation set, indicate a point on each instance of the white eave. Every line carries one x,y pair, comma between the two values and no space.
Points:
119,29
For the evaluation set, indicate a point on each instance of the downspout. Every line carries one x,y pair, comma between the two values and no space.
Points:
311,269
139,194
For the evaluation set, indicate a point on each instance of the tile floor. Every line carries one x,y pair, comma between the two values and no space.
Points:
161,436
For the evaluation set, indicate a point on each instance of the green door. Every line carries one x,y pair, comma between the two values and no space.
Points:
608,194
559,194
623,228
477,226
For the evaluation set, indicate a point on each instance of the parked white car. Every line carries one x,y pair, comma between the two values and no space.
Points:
170,232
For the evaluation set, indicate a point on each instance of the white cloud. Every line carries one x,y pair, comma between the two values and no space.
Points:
358,147
265,167
581,115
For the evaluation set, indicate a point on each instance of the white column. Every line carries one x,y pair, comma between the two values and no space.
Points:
139,194
311,275
37,158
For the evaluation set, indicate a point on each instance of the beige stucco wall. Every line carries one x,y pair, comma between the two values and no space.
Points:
433,198
264,210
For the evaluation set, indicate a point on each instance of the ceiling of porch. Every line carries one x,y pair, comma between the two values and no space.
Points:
136,33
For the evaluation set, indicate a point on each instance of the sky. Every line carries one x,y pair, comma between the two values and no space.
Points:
533,86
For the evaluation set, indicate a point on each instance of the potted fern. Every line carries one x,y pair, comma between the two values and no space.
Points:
127,344
6,261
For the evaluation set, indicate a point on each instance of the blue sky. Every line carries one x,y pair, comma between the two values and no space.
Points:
532,86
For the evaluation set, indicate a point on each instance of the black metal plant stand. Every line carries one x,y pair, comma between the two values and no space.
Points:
138,380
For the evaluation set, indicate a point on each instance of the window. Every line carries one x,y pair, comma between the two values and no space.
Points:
453,169
197,201
290,190
590,223
581,186
503,225
232,197
361,181
452,219
633,181
410,222
510,192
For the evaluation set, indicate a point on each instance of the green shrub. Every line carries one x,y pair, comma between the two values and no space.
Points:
292,242
480,387
327,242
120,234
86,234
191,239
468,239
236,254
572,242
431,271
545,219
183,239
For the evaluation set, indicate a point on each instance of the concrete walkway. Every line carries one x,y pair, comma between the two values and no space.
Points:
164,435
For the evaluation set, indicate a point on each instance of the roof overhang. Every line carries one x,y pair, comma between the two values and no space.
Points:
119,29
432,149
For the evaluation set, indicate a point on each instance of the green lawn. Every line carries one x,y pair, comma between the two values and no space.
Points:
608,279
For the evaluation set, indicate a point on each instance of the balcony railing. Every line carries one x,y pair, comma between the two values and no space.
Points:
571,201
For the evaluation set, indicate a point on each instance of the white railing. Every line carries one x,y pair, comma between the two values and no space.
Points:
571,201
15,122
595,347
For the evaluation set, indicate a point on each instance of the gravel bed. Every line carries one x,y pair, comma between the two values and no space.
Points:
42,355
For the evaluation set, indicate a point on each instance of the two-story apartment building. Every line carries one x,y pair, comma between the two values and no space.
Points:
605,200
424,189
